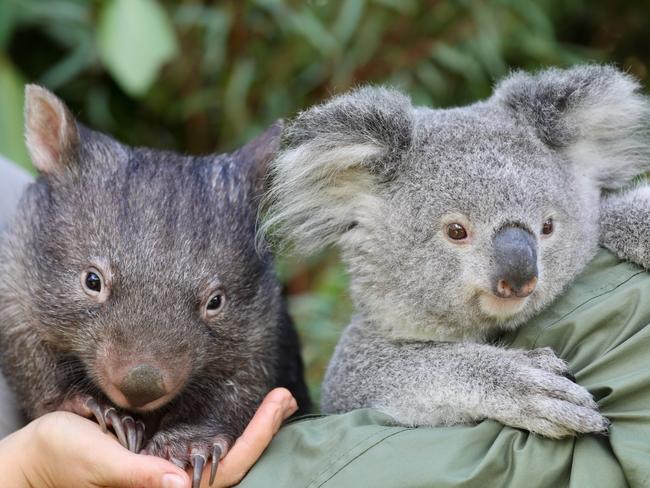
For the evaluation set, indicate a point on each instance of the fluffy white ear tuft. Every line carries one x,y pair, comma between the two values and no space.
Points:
595,114
324,178
51,132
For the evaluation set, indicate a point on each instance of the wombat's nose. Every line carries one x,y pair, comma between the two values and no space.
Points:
142,384
515,257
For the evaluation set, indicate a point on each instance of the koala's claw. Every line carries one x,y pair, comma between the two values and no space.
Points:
570,376
548,400
546,359
195,453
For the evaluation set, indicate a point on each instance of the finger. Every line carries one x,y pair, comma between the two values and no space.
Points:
275,408
130,470
119,468
79,454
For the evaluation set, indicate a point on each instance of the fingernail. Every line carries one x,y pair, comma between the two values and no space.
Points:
172,481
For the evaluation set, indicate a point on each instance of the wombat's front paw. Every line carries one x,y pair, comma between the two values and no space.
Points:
129,432
540,397
190,447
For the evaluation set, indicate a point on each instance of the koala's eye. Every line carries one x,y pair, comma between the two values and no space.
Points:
94,285
215,304
456,232
547,227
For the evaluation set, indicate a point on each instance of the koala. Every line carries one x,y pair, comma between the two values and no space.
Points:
456,225
132,291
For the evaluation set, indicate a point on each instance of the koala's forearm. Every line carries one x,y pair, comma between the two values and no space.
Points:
417,383
625,225
446,383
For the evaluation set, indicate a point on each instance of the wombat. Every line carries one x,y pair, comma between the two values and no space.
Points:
457,225
132,290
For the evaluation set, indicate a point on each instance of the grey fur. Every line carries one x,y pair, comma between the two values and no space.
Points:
166,227
382,179
624,224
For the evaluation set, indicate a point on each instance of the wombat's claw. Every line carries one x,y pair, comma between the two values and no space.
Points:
113,419
139,439
216,457
199,456
198,461
195,452
98,413
129,432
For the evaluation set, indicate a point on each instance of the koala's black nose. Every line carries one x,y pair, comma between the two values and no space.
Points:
515,257
142,384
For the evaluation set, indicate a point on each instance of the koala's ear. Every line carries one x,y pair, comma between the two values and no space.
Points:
595,114
51,132
331,160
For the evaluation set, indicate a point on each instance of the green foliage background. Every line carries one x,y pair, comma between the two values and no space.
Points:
200,76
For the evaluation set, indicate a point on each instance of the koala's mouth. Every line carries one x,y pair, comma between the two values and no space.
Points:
499,308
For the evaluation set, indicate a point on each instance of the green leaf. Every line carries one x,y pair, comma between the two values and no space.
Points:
12,142
348,20
135,38
309,26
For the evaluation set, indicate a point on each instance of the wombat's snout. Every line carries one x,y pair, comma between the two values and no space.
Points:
515,258
142,384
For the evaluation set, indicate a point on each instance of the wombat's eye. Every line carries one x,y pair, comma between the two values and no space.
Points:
215,304
93,282
94,285
456,232
547,227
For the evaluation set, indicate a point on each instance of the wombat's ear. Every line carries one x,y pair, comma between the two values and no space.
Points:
50,131
254,158
332,158
595,114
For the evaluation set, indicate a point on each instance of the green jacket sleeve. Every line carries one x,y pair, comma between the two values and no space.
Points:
598,325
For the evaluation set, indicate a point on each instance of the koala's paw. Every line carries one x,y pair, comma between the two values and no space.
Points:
541,399
129,432
189,447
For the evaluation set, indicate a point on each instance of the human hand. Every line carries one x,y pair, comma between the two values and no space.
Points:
277,406
63,450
